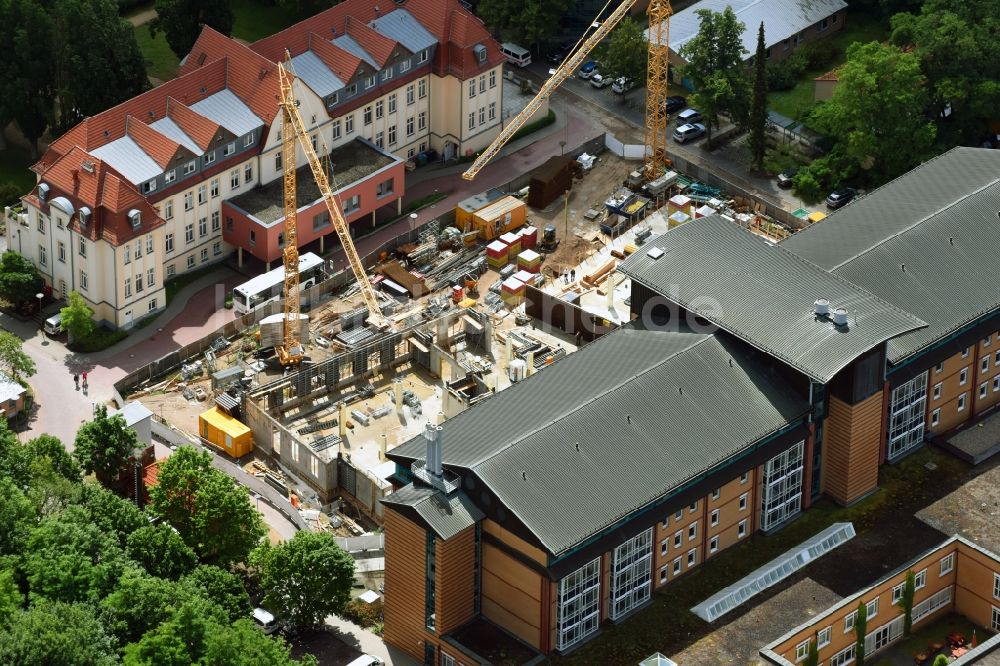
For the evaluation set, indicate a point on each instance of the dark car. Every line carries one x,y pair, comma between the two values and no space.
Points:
557,56
674,103
840,197
786,177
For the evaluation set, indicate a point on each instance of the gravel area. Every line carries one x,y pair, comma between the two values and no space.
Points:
739,641
973,511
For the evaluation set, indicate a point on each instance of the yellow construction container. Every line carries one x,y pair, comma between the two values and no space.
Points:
499,217
467,207
225,432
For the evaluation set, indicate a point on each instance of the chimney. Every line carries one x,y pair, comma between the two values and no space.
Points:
840,317
397,392
530,370
343,419
432,434
822,307
382,446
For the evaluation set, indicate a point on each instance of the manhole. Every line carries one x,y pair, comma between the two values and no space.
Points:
131,355
931,466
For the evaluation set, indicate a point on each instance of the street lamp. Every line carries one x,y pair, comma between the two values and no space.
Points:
39,296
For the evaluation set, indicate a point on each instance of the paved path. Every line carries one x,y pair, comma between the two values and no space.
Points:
142,17
368,643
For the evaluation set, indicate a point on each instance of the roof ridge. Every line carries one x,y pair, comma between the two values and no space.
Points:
601,394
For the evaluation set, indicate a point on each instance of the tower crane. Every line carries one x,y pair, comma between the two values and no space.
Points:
659,12
291,352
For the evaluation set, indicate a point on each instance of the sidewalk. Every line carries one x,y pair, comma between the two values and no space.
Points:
369,643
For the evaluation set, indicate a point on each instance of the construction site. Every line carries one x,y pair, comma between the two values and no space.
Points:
316,386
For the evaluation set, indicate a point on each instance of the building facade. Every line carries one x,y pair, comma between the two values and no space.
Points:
134,196
572,496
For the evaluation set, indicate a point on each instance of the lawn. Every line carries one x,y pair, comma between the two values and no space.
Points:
667,625
256,19
795,103
14,164
161,63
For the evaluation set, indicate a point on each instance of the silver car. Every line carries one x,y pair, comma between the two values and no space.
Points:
688,132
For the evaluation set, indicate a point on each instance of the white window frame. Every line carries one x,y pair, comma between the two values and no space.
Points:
716,493
713,544
578,605
677,565
849,621
150,277
920,579
996,586
872,607
983,389
936,416
995,619
802,650
823,637
937,390
996,383
963,376
741,529
692,557
844,657
946,565
678,538
630,584
744,477
190,167
782,486
965,353
715,517
907,406
961,402
692,531
743,501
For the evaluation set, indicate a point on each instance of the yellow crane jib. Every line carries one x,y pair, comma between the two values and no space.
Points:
293,121
563,72
290,351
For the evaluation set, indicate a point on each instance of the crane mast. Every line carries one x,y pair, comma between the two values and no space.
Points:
290,352
295,132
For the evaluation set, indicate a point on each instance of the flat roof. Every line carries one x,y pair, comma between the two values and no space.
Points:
925,242
351,163
224,422
764,294
580,445
9,389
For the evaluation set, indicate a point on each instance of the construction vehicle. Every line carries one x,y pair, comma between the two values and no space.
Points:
548,242
291,351
657,86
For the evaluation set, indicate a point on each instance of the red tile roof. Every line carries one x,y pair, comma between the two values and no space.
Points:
201,130
154,144
375,44
342,63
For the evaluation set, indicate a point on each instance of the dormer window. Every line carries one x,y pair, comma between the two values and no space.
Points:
229,150
422,57
149,186
370,82
248,140
352,89
480,52
170,176
386,74
135,218
209,158
84,216
189,167
43,192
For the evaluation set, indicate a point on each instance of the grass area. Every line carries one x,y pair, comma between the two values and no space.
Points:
936,631
668,625
14,164
256,19
98,340
174,285
161,63
798,101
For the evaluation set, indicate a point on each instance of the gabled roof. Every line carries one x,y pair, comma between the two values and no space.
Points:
782,19
226,109
128,159
401,26
170,129
200,129
764,294
343,64
445,515
316,74
352,46
160,148
926,242
607,430
377,45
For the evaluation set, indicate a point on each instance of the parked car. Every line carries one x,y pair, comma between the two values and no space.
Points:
786,177
688,132
601,81
674,103
557,56
688,116
367,660
841,197
587,69
622,85
264,621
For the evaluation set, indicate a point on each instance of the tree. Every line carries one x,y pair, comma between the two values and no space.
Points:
30,89
17,516
876,114
56,634
116,516
77,317
19,279
181,21
224,588
69,559
104,445
941,660
305,579
161,551
13,360
139,604
715,66
11,599
906,602
181,640
627,53
758,108
860,631
242,644
49,447
529,22
99,61
210,511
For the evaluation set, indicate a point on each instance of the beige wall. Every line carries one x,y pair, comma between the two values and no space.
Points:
511,594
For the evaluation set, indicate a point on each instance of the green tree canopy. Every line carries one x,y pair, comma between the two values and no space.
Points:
30,87
876,114
11,599
161,551
115,515
715,66
48,446
77,317
104,444
17,517
210,510
140,603
19,279
242,644
181,21
529,22
305,579
224,588
758,107
56,634
626,53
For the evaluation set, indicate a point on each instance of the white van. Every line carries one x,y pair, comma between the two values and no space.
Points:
264,621
516,54
53,325
367,660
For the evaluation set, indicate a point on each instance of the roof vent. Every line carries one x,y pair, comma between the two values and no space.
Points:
262,74
654,253
135,218
84,216
951,240
821,307
840,317
43,191
87,166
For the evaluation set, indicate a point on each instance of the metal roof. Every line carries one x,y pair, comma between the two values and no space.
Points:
127,158
764,294
401,26
308,67
445,515
347,43
134,411
941,216
576,447
229,111
9,389
782,19
168,128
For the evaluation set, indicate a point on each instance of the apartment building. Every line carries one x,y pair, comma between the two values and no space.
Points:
754,378
956,576
142,192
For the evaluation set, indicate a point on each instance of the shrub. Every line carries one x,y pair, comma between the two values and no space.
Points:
363,614
818,55
807,186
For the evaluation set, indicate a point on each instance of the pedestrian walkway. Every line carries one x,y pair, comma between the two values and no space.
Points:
369,643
